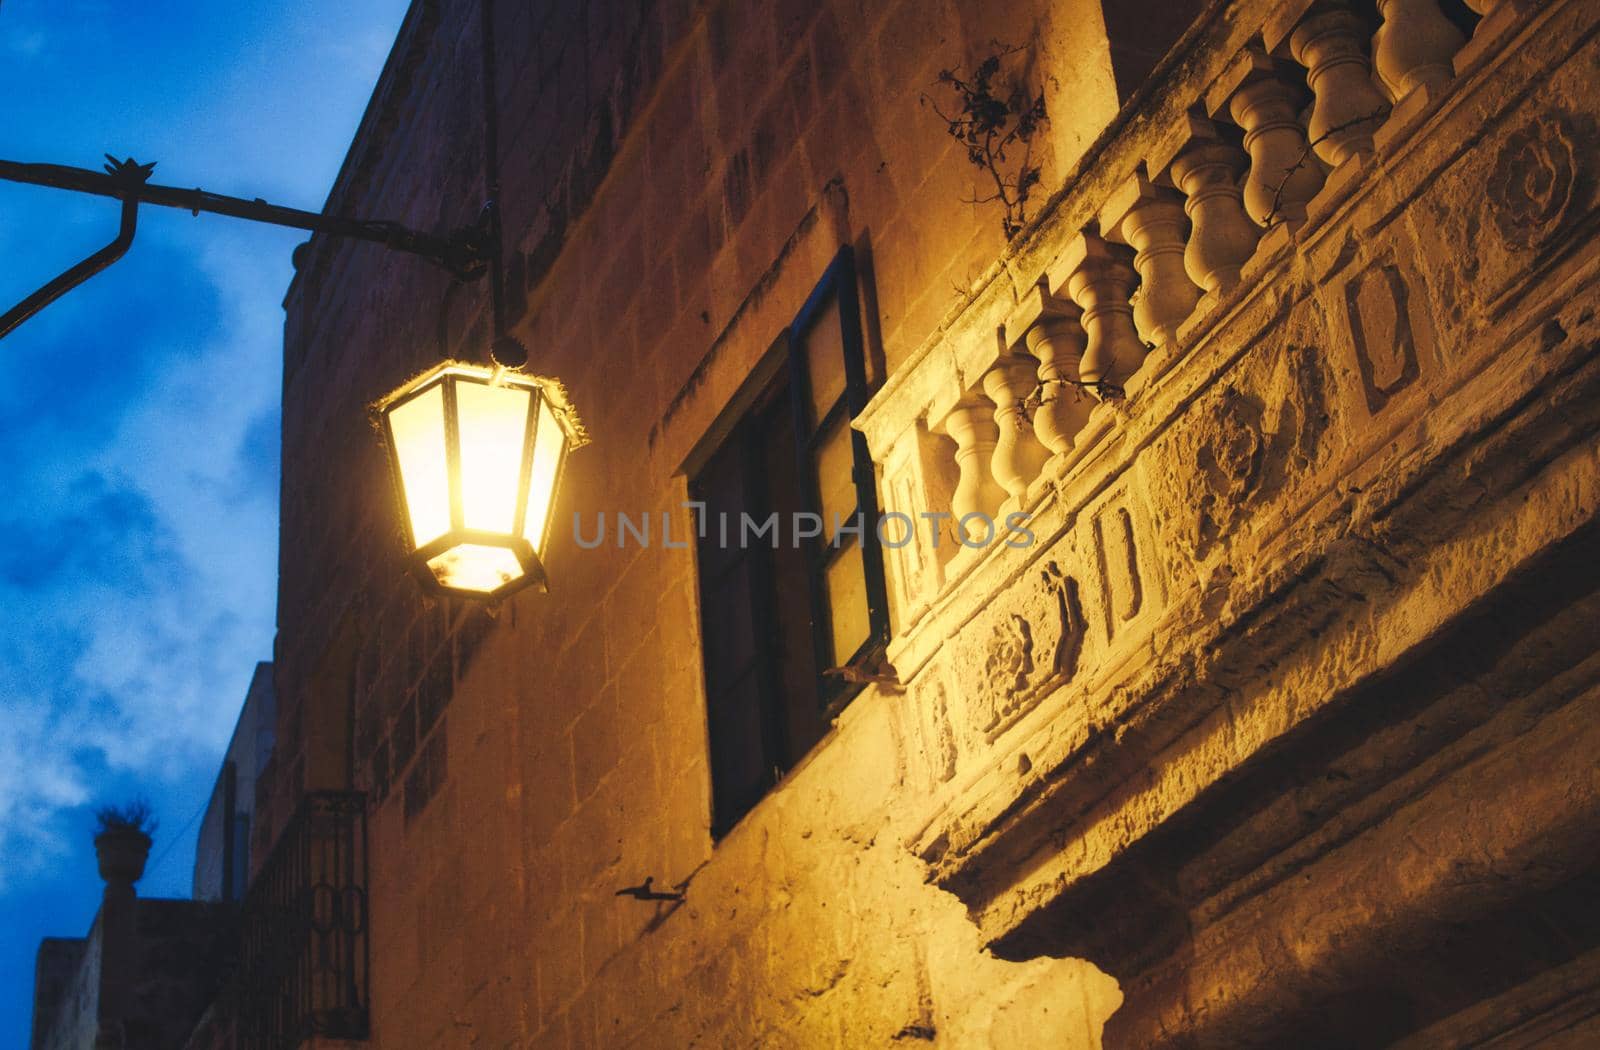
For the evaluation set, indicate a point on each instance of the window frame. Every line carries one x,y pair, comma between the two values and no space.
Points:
835,297
839,283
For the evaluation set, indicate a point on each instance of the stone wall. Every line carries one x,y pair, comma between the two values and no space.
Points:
1118,751
145,993
63,987
230,813
676,181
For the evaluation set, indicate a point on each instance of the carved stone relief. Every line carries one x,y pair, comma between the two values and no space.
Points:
1236,448
1389,330
1018,650
1120,580
908,555
937,731
1530,188
1503,215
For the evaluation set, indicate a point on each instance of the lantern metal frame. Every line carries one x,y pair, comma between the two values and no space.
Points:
545,395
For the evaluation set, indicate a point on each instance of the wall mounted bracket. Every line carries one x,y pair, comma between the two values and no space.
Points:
466,255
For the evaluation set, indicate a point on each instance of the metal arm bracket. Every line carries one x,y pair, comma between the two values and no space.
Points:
466,255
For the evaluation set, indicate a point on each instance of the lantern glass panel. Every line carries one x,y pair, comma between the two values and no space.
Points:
475,567
549,446
492,422
418,431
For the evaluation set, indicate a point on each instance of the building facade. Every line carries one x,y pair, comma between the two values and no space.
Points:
1234,681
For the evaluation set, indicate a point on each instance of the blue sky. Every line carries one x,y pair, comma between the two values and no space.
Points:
139,422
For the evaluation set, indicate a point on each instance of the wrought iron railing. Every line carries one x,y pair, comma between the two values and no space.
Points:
303,953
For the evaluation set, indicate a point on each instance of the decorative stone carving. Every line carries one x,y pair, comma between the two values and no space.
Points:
1024,649
1329,44
1386,326
1530,188
1010,660
1414,46
942,743
1223,238
1099,281
1282,176
1151,220
1018,456
1118,556
1238,448
905,493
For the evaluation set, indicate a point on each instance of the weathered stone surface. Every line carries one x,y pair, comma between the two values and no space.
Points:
1287,708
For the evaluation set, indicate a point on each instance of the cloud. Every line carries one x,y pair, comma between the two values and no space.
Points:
69,580
138,581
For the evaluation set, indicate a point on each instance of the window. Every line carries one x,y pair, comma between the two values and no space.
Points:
791,573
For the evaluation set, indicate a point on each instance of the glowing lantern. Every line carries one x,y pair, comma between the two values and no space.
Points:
477,455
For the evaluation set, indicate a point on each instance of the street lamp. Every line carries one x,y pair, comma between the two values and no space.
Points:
477,455
477,452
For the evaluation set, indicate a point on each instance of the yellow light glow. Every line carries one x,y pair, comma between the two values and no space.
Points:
475,567
549,448
493,424
475,484
419,438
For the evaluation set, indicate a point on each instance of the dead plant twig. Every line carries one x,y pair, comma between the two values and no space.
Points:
990,126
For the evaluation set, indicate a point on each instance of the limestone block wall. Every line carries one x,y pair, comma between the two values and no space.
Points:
1277,441
676,178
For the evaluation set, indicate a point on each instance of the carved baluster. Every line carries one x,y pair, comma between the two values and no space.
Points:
971,425
1348,105
1482,7
1057,341
1222,238
1018,456
1047,326
1414,46
1283,176
1151,220
1099,281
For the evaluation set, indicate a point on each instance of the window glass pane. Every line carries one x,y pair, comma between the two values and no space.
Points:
823,351
844,581
739,771
417,428
836,489
492,422
728,627
720,486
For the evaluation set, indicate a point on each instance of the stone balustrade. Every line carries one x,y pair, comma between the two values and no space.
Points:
1276,696
1307,348
1283,131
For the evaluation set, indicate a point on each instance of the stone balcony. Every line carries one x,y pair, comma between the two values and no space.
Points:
1296,385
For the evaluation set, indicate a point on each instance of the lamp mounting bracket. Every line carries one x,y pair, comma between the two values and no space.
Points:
466,254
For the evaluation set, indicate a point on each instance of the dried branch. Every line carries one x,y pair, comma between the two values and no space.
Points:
1107,391
988,126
